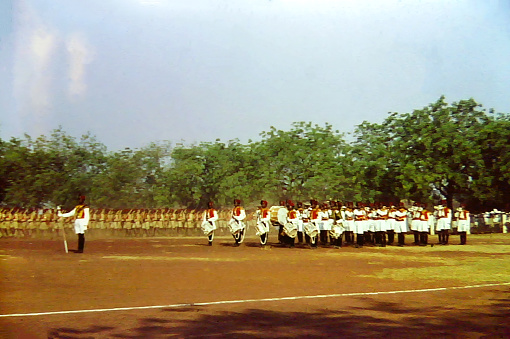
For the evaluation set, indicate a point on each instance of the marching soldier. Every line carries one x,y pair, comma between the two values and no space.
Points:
415,211
236,223
263,222
281,220
337,229
463,223
209,222
443,226
315,220
82,215
325,223
371,219
291,226
301,210
390,224
348,223
400,223
381,217
425,218
360,218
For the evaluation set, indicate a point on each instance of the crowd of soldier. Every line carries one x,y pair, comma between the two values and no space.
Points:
371,224
20,222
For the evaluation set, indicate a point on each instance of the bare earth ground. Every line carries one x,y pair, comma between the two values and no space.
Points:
187,281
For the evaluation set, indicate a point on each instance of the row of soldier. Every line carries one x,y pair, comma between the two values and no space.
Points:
362,224
22,222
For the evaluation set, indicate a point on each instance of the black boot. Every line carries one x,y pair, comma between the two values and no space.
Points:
463,238
391,237
377,239
423,238
383,239
263,239
300,237
81,243
416,237
280,234
324,237
359,240
291,242
446,236
401,239
338,241
367,237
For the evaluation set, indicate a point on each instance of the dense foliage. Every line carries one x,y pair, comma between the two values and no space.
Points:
457,152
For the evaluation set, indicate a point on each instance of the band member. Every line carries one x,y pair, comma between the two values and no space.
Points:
263,222
390,224
281,220
381,217
424,225
236,223
370,222
291,226
348,223
415,211
360,218
463,223
308,227
209,222
82,214
337,229
302,215
400,223
444,222
315,219
325,223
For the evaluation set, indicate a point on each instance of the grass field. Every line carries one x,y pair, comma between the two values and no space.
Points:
180,288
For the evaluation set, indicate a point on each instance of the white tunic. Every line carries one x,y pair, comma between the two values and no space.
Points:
80,224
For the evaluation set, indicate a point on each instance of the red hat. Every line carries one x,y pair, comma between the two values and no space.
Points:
237,201
263,203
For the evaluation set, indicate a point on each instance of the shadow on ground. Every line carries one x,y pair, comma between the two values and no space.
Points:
375,320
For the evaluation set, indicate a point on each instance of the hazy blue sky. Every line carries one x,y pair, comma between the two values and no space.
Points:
134,71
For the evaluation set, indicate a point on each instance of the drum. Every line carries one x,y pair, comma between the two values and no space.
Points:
336,231
290,229
262,228
207,227
235,226
273,213
310,229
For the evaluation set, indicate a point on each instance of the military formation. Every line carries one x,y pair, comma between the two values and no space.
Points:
20,222
337,224
314,224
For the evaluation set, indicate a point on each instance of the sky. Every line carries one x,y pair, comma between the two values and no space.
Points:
132,72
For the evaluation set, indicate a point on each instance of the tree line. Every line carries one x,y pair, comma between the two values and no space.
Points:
458,152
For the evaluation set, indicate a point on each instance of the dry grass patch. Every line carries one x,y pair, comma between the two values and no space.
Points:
170,258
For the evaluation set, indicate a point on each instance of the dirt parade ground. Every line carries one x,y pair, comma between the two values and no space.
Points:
178,287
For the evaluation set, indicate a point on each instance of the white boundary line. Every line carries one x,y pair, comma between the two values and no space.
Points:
356,294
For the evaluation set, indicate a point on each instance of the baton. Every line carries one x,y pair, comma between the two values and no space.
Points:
63,233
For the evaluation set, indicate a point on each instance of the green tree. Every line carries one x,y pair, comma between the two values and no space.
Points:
304,162
429,154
